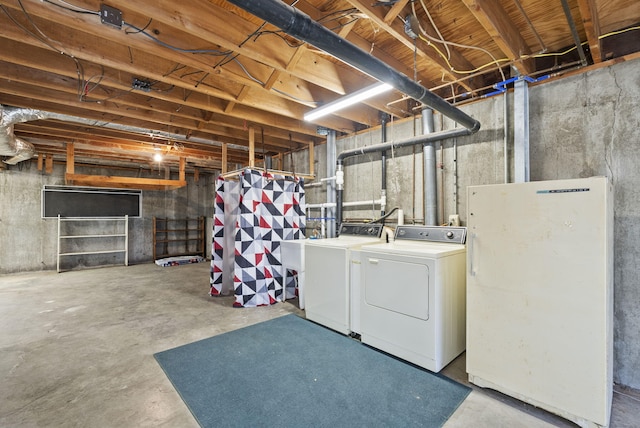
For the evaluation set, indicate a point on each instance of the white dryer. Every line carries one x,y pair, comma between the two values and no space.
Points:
333,276
413,295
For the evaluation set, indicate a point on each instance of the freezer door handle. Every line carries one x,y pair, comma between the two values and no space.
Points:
472,241
373,261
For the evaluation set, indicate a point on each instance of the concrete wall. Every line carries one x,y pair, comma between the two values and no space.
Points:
29,242
580,126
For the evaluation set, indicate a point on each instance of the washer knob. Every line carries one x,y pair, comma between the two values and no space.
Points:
450,234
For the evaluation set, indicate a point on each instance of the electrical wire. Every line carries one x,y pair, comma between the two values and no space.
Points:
446,43
72,8
47,41
435,27
214,52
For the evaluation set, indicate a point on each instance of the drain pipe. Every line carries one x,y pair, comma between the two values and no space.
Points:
332,192
420,139
429,159
383,127
299,25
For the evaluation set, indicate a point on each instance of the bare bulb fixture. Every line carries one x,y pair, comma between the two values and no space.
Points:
157,157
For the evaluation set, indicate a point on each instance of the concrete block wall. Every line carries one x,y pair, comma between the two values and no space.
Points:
580,126
29,242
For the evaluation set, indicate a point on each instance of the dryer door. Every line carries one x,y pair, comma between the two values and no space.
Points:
397,285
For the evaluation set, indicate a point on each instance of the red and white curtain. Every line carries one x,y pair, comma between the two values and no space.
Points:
258,212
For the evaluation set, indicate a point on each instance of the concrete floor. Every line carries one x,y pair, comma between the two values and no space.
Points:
77,351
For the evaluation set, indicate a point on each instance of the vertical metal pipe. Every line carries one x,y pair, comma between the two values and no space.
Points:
505,115
429,158
521,131
383,122
332,195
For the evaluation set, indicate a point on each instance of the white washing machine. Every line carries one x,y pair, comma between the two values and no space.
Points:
413,295
332,276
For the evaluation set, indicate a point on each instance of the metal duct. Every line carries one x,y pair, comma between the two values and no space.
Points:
21,150
10,145
299,25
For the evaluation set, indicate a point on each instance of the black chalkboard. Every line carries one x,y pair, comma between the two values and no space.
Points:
73,201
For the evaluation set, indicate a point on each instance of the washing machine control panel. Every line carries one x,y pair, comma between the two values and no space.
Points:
453,235
361,229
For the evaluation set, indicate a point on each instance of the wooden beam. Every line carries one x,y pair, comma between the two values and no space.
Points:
591,22
124,182
504,32
196,175
396,30
194,18
224,158
395,11
48,164
115,56
311,159
183,163
40,161
252,147
70,159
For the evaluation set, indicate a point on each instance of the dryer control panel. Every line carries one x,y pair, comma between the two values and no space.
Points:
361,229
445,234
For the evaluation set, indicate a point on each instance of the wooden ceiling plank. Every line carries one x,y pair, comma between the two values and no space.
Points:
50,61
102,51
14,73
195,17
396,30
245,75
501,28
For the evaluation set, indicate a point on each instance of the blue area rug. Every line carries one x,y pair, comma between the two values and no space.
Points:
290,372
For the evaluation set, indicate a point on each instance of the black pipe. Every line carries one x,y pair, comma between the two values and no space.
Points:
299,25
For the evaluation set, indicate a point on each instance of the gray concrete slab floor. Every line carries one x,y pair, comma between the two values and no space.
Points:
77,350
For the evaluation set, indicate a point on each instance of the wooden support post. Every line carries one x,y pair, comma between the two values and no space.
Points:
196,175
312,161
183,163
48,164
224,158
71,166
252,147
40,161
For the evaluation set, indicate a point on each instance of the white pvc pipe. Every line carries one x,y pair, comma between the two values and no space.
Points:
345,204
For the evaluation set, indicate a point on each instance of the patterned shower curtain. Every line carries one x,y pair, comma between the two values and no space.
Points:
269,209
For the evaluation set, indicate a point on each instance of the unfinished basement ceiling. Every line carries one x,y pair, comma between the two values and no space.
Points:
200,76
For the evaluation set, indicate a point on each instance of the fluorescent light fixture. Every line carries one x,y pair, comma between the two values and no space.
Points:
348,100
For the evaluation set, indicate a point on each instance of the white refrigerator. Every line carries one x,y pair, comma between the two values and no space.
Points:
540,294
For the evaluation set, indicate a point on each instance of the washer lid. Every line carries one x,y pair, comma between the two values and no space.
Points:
432,250
344,241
